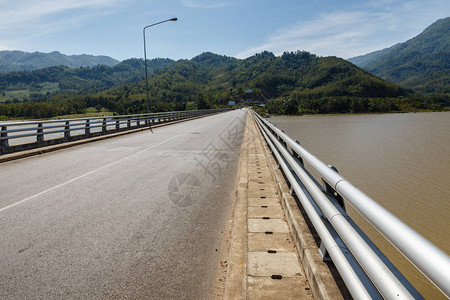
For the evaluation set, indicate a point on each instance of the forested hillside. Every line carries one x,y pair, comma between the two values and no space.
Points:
21,85
421,64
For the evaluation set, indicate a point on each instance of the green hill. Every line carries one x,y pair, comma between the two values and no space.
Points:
421,63
299,73
21,85
19,60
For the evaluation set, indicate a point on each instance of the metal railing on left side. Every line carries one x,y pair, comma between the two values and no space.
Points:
19,136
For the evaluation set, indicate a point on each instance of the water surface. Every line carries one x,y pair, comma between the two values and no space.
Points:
401,160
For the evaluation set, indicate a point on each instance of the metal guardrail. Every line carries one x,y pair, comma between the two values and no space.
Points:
51,132
367,273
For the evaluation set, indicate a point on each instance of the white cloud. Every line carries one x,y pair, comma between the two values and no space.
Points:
26,19
379,24
204,3
21,12
329,34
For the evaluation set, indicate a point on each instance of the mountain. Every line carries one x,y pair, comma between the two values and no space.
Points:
362,60
18,60
38,83
421,63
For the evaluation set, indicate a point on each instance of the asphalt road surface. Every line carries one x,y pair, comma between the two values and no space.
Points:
137,216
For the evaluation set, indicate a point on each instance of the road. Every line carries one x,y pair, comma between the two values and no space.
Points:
138,216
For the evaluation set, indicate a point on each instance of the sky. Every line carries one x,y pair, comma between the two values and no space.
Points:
238,28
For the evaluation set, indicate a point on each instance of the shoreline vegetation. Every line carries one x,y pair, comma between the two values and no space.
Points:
353,105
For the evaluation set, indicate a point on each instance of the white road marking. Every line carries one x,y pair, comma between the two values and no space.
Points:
101,168
84,175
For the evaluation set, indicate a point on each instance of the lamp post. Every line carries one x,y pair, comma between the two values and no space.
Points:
145,58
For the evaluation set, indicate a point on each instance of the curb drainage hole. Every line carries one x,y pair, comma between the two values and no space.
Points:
268,232
271,251
277,277
264,206
266,218
261,189
261,183
262,197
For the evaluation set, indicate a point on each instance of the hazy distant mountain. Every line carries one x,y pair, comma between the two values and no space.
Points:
421,63
362,60
18,60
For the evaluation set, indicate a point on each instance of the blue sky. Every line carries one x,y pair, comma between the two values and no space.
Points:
236,28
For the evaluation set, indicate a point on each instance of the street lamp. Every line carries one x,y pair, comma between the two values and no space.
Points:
145,58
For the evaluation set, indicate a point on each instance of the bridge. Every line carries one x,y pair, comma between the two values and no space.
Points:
200,204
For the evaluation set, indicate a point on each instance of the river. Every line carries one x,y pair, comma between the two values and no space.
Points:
401,160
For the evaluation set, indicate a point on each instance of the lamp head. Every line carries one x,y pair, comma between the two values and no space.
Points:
173,19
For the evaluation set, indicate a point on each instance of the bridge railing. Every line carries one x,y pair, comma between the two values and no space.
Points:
18,136
367,273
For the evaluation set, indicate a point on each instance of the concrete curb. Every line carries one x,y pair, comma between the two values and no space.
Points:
236,281
47,149
322,282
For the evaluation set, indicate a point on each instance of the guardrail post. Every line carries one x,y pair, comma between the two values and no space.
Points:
117,124
324,253
40,133
4,142
104,125
87,127
138,121
298,157
329,189
128,123
67,129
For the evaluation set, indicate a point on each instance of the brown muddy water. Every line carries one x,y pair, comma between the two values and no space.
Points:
402,161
